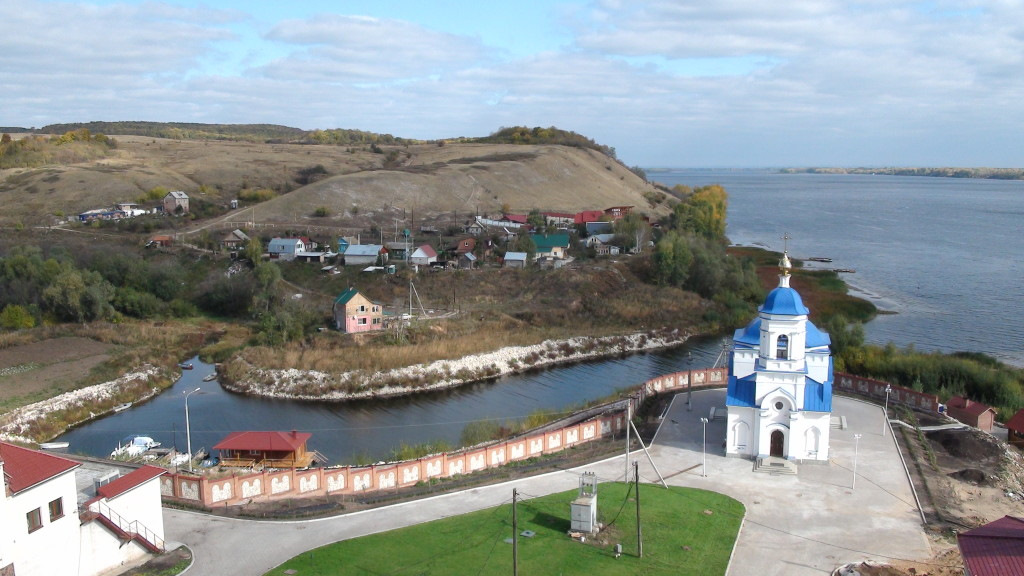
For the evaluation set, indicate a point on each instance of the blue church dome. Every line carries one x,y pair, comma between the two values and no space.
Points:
785,301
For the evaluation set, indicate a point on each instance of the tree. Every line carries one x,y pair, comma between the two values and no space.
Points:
632,232
524,243
253,249
703,213
14,317
672,260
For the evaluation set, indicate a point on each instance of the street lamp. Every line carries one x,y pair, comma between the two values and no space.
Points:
689,378
888,389
188,431
856,449
703,449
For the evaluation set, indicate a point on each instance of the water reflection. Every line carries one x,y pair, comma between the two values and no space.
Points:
372,429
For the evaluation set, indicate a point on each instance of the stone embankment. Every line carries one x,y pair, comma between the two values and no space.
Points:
315,385
89,402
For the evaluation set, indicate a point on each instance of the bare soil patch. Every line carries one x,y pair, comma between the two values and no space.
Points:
39,370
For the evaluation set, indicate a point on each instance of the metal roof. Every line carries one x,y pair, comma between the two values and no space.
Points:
995,549
24,468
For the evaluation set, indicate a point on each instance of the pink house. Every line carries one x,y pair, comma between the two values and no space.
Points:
354,312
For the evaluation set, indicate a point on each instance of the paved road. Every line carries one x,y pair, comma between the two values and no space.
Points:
804,524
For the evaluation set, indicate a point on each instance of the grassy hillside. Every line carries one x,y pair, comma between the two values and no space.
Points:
356,185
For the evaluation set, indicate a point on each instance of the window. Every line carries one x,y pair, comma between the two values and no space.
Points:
782,351
362,308
35,521
56,509
779,405
361,322
376,320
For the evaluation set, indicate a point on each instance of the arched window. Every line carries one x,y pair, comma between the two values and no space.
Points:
782,348
740,436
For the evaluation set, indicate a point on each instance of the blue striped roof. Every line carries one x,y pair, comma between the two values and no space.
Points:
816,338
741,392
817,397
750,335
784,301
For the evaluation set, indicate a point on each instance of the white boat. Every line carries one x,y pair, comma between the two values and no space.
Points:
210,377
122,407
54,446
133,446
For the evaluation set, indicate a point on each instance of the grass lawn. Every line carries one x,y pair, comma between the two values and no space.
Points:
685,531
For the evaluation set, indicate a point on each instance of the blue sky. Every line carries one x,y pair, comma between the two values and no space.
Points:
665,82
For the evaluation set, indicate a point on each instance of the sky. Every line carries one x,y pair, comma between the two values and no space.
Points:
667,83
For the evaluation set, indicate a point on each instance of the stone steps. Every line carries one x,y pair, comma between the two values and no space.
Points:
776,466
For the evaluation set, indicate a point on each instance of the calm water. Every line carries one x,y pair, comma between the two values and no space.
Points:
941,253
945,254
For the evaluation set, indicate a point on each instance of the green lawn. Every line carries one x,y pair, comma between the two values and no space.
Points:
685,531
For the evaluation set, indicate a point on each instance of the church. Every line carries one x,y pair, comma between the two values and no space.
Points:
779,398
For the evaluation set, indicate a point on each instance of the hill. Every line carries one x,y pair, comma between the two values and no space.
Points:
356,185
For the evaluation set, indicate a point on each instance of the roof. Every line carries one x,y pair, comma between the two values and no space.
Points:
468,256
995,549
588,216
751,335
281,243
425,251
24,468
545,242
177,194
817,396
969,406
363,250
238,234
130,480
265,441
1017,422
741,392
518,218
346,296
784,301
515,256
816,338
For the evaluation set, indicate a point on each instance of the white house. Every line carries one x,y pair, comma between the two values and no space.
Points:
43,531
779,397
423,256
285,248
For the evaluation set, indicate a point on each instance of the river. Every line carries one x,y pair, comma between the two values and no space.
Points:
939,252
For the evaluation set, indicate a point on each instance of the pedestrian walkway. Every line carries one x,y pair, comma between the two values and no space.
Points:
807,523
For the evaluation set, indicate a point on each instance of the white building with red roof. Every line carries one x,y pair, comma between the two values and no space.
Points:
44,531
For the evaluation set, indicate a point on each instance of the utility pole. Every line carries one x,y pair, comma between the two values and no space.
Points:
636,483
515,535
629,404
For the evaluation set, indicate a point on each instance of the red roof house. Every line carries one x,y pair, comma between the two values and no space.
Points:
588,216
971,413
1015,428
266,449
24,468
995,549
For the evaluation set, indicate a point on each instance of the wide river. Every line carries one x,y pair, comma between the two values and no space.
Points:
941,253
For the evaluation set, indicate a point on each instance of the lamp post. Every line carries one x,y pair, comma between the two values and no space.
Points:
885,416
188,431
689,379
856,449
703,448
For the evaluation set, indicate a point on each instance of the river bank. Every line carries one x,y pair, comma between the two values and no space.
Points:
295,384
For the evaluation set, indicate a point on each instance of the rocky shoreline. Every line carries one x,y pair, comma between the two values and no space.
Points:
295,384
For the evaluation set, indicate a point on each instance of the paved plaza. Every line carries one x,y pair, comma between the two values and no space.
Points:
803,524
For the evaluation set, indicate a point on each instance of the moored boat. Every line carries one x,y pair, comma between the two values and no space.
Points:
133,445
54,446
185,365
122,407
210,377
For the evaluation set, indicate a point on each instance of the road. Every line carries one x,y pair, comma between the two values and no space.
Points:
795,525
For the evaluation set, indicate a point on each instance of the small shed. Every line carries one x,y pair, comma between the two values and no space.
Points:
515,259
972,413
994,549
160,240
423,255
1015,429
467,261
266,449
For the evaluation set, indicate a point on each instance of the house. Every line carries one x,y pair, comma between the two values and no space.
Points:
515,260
1015,429
234,240
559,219
994,549
551,245
514,218
466,245
354,313
285,248
44,530
971,413
175,202
467,261
423,256
249,449
476,228
588,216
162,240
618,212
399,249
366,255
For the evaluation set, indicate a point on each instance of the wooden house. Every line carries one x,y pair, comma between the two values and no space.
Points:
971,413
234,240
252,449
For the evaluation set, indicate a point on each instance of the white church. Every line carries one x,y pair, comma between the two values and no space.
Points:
779,398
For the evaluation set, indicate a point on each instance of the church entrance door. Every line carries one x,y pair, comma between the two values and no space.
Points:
778,442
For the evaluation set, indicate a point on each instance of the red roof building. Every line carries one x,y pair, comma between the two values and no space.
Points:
588,216
131,480
1015,428
995,549
24,468
971,413
266,449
